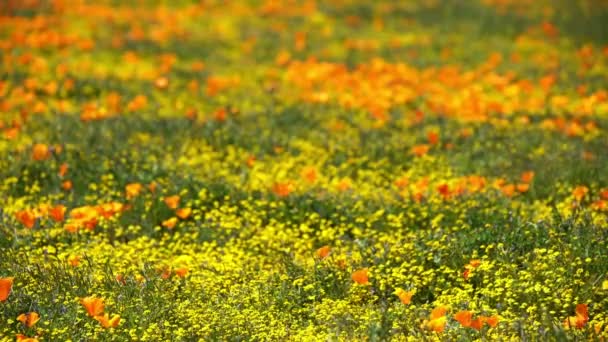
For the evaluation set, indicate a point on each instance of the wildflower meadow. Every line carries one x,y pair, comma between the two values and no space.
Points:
300,170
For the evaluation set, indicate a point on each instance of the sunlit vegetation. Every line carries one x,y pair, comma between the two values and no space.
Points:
303,171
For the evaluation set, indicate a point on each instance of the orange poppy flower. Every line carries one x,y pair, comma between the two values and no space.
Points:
132,190
250,161
444,190
63,170
522,187
28,319
41,152
477,323
604,194
527,176
404,296
432,137
420,150
27,218
11,133
599,205
579,192
282,189
66,185
579,320
183,213
108,322
23,338
93,305
6,285
464,317
161,83
74,260
57,213
309,174
182,272
282,58
492,321
121,279
170,223
172,201
438,320
323,252
508,190
165,272
72,227
475,263
220,114
360,276
402,182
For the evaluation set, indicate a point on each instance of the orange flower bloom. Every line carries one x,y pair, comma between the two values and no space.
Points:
473,264
6,285
282,189
402,182
420,150
444,190
161,83
250,161
439,311
183,213
41,152
604,194
404,296
464,318
309,174
323,252
360,276
579,192
120,279
58,213
579,320
23,338
508,190
438,320
66,185
527,176
74,260
172,201
433,137
132,190
63,170
522,187
108,322
477,323
492,321
93,305
170,223
28,319
27,218
220,114
182,272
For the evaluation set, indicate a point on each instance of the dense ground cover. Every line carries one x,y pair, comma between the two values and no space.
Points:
292,170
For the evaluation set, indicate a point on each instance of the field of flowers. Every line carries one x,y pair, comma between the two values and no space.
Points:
303,171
